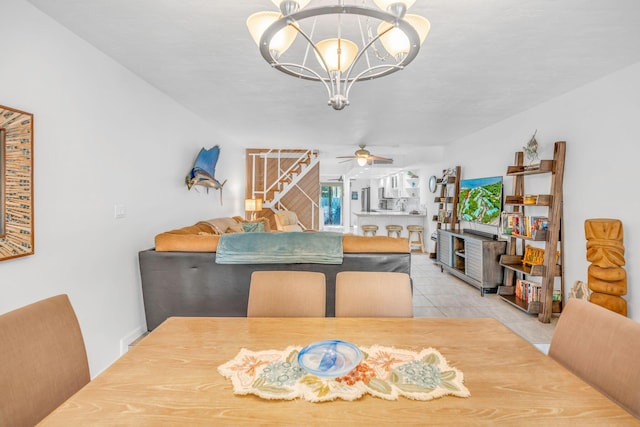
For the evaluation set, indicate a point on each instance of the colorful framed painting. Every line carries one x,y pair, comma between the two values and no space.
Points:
16,183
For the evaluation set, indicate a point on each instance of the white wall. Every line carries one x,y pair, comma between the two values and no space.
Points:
102,137
599,121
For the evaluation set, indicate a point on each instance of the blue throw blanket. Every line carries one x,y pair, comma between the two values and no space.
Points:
280,248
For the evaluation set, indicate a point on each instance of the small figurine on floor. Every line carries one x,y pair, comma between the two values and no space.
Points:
580,290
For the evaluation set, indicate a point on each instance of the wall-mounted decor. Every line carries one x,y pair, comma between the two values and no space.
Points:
204,170
16,183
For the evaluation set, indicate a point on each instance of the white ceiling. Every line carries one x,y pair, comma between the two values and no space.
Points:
483,61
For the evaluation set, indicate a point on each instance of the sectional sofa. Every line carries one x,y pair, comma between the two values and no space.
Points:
180,275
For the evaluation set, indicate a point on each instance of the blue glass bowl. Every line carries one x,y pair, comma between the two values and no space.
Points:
330,358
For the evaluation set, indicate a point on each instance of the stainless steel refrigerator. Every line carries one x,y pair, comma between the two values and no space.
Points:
365,199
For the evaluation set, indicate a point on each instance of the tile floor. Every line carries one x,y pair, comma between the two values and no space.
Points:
439,294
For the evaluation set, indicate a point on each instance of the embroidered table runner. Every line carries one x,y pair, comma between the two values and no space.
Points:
384,372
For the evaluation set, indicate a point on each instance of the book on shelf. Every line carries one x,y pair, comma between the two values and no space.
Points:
539,223
528,291
517,224
511,223
444,215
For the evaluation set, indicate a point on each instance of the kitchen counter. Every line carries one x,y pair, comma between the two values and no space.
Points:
382,218
389,213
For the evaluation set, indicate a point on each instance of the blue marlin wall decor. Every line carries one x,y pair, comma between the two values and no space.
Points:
204,170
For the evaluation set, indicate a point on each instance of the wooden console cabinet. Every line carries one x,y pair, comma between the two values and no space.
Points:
471,257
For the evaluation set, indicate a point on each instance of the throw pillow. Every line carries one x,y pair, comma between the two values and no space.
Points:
253,227
263,220
224,225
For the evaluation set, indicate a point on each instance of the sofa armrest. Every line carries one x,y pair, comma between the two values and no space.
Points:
374,244
195,238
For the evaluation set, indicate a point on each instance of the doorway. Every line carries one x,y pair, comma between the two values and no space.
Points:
331,203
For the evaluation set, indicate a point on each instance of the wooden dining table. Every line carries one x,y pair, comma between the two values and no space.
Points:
170,378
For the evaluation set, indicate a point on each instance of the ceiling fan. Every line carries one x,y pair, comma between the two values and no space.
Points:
364,157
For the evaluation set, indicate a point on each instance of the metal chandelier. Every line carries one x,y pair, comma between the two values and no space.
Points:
339,61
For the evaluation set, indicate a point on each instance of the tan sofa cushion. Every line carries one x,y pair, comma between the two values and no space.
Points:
359,244
195,238
287,221
224,225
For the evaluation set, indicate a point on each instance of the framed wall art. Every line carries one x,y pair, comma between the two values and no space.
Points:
16,183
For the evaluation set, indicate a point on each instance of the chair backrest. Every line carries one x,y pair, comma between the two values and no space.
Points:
43,360
287,221
373,294
602,348
287,294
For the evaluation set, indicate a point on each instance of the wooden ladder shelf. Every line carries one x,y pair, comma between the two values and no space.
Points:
552,264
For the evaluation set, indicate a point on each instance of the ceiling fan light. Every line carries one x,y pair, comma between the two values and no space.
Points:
260,21
338,54
395,41
362,161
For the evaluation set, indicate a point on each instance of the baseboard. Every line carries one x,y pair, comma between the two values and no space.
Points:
129,338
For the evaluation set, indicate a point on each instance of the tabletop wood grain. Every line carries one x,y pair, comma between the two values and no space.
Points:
171,378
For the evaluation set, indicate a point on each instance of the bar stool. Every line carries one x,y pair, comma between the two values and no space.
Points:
369,229
394,229
419,231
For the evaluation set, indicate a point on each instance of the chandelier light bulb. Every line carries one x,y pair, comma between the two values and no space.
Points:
420,24
259,22
338,54
395,41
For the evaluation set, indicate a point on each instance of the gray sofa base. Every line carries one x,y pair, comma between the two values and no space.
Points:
192,284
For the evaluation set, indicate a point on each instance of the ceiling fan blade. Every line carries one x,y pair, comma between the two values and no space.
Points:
345,161
345,157
380,158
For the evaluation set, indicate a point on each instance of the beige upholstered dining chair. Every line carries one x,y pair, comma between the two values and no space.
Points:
287,221
287,294
373,294
602,348
43,360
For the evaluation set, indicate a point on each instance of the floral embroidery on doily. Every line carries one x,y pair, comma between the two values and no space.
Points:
385,372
